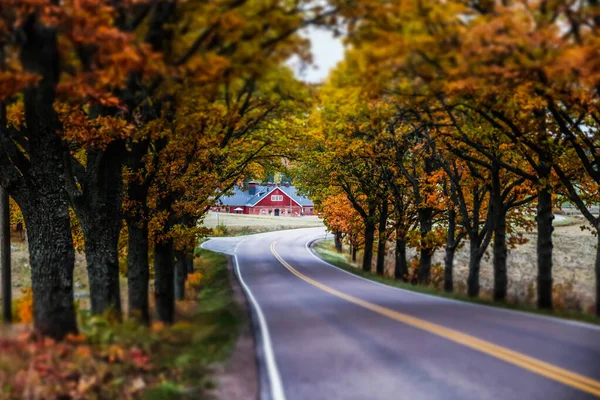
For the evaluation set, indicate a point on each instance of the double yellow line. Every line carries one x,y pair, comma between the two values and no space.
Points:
539,367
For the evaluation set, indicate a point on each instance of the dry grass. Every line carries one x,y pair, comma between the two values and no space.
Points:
573,270
240,224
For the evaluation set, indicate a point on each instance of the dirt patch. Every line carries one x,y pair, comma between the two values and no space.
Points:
237,378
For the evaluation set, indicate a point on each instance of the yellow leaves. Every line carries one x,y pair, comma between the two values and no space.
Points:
15,114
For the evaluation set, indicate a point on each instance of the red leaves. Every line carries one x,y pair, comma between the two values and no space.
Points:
34,367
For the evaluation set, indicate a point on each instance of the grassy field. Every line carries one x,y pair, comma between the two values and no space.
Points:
326,250
239,224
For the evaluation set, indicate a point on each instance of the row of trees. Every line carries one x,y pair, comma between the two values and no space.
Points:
452,122
126,119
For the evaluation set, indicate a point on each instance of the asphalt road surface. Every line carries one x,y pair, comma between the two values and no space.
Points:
326,334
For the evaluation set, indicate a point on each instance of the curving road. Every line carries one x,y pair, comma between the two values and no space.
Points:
326,334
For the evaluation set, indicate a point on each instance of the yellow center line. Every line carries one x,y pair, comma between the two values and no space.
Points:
539,367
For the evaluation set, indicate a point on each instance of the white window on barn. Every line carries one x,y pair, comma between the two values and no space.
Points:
277,197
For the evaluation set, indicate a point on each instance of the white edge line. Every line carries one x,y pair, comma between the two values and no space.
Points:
277,392
443,299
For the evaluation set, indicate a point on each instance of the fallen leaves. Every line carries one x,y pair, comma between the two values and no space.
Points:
33,367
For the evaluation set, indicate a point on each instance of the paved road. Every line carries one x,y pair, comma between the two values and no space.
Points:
327,334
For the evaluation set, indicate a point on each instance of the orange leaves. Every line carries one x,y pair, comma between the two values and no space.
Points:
340,216
194,280
98,55
39,368
93,133
12,83
24,306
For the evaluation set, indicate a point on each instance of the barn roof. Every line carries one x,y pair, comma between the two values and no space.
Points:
242,197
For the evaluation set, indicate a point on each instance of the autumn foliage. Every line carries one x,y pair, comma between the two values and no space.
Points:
455,121
138,113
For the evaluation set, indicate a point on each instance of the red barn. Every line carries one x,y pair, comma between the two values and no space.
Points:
271,199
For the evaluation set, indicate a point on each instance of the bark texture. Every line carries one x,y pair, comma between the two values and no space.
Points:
337,237
138,269
450,250
98,208
499,247
369,241
401,266
382,239
37,183
164,276
597,269
426,252
474,266
544,249
180,274
5,256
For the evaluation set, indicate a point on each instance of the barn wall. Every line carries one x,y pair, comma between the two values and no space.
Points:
267,202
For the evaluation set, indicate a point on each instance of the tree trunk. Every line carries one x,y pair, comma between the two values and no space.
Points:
426,252
449,269
500,252
5,256
164,276
52,260
39,187
180,274
401,266
354,251
138,269
544,249
450,250
98,208
369,240
597,268
136,216
189,259
499,247
338,241
102,258
380,267
474,265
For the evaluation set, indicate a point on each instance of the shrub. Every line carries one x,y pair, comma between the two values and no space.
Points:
437,276
565,298
194,281
221,230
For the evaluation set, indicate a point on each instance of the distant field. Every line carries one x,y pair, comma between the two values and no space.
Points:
237,224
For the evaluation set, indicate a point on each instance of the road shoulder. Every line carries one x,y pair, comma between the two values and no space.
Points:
237,378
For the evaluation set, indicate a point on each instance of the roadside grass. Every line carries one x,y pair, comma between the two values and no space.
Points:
325,249
210,326
225,224
111,359
565,220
